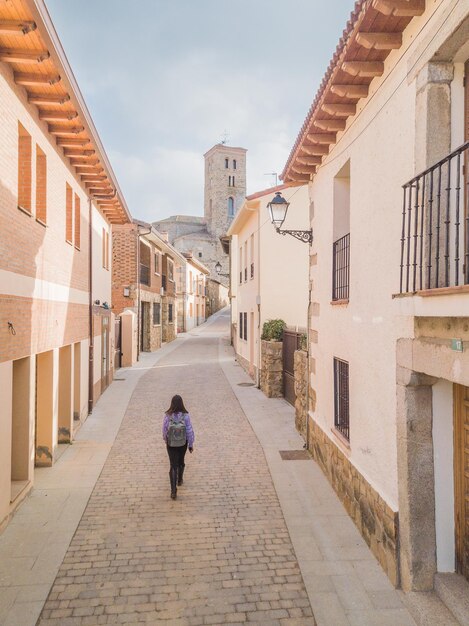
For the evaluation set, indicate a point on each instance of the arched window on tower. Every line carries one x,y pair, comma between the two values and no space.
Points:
230,207
226,164
234,164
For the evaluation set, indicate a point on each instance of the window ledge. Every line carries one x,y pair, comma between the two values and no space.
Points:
77,248
439,291
70,243
344,443
342,302
25,211
41,222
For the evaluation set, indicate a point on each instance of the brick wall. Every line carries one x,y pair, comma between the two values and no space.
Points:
124,266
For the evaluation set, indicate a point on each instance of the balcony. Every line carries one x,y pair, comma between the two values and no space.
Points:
144,275
435,227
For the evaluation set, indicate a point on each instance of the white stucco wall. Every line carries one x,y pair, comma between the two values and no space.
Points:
379,142
101,276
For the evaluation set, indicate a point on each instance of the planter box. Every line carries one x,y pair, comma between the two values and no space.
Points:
272,368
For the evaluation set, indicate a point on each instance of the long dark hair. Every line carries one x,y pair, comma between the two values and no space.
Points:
177,406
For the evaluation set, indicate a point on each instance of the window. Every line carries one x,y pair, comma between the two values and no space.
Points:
170,313
200,255
241,265
77,222
191,310
241,325
341,235
341,398
232,181
226,163
24,169
252,256
230,207
69,214
41,186
170,270
156,313
105,249
245,326
157,262
234,164
229,181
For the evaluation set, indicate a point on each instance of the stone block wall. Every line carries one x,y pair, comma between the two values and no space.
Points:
301,383
168,328
272,369
375,520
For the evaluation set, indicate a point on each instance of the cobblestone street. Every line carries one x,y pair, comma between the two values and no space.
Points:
221,553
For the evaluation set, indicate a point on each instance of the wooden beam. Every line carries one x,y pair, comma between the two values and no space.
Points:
339,110
62,130
400,8
100,191
97,184
322,138
9,55
75,152
350,91
104,196
91,178
379,41
83,159
70,142
303,169
57,116
47,99
364,69
305,178
330,124
315,149
86,164
82,169
309,160
16,27
28,80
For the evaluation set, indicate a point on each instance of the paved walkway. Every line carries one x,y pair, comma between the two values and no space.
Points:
219,554
251,538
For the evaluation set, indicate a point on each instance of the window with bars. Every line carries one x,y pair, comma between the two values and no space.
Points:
170,313
341,268
245,315
156,313
241,325
341,398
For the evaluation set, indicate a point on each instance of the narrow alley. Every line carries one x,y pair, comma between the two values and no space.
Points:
220,553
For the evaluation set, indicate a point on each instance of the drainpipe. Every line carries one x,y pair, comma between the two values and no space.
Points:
259,354
90,280
307,353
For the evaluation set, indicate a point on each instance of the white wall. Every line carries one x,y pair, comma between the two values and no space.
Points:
101,276
444,474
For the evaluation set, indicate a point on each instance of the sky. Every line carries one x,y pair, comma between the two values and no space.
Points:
165,79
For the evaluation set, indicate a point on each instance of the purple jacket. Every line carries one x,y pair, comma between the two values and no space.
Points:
189,429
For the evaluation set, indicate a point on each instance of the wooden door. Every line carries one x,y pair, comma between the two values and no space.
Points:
466,175
461,477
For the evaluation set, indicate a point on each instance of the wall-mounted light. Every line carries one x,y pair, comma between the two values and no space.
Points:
218,269
278,208
97,302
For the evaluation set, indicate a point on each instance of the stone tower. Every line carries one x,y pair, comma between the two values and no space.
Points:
225,186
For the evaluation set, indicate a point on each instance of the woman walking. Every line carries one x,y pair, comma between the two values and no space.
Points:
178,435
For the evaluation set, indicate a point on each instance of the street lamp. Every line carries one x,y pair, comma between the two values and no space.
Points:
218,269
278,208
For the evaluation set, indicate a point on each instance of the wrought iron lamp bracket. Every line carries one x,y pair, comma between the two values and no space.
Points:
303,235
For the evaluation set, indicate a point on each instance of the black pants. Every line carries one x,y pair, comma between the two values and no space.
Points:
176,455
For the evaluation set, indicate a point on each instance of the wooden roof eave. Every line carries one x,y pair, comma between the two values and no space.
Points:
42,19
349,77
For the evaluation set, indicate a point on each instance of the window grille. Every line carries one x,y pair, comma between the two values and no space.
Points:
245,326
341,398
156,313
170,313
240,325
341,268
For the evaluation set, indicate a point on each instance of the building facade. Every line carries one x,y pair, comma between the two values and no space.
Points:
383,152
191,288
263,285
56,324
145,270
224,192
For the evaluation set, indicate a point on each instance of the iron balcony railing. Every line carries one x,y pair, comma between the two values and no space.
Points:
144,274
341,268
435,226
